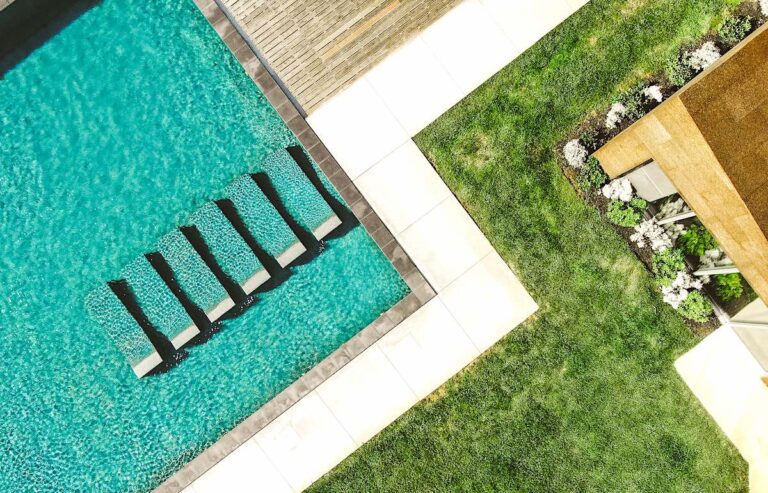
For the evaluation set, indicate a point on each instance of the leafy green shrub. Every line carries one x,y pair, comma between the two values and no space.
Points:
696,307
678,71
728,286
667,264
627,214
589,139
734,29
634,102
697,240
592,175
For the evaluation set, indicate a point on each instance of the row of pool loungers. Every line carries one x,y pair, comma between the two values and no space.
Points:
219,248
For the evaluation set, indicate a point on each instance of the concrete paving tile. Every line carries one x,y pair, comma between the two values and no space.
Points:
246,470
414,85
577,4
444,243
357,128
727,380
488,301
305,442
526,21
367,395
470,44
402,187
723,375
428,348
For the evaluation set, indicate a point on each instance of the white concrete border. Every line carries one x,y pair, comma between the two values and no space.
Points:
220,309
291,253
728,381
327,227
147,364
185,336
256,280
368,129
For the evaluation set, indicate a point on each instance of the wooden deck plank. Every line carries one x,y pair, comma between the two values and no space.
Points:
319,47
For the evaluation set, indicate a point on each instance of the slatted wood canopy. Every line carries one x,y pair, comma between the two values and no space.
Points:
711,140
318,47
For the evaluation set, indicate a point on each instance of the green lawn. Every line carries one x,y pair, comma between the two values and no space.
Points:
584,397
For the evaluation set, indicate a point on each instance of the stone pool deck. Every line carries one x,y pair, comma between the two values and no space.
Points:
733,388
472,297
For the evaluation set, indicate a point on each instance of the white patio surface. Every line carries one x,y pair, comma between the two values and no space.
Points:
368,128
728,381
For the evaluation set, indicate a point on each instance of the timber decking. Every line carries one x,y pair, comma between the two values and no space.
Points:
318,47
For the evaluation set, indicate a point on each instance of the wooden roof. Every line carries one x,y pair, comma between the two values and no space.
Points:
711,139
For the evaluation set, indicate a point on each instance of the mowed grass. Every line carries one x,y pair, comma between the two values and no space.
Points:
584,397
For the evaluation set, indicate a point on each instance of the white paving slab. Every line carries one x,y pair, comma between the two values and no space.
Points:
723,375
402,187
305,442
358,128
425,92
367,395
525,21
240,471
470,44
428,348
727,380
488,301
444,243
577,4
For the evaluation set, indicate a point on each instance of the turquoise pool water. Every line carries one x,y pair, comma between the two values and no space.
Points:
111,134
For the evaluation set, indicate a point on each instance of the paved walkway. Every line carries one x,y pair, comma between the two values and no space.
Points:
728,381
368,128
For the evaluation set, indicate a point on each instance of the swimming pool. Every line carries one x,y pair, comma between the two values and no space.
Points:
112,134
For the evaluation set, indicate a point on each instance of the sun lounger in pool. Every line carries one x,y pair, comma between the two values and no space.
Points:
159,304
263,221
106,308
300,197
228,248
193,275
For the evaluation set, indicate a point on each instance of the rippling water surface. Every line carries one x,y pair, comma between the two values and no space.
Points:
110,135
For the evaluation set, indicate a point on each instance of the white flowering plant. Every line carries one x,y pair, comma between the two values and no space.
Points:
653,93
672,208
674,230
575,154
649,233
764,7
615,115
620,189
713,258
703,57
677,292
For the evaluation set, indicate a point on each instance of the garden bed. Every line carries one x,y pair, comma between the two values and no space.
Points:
633,218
